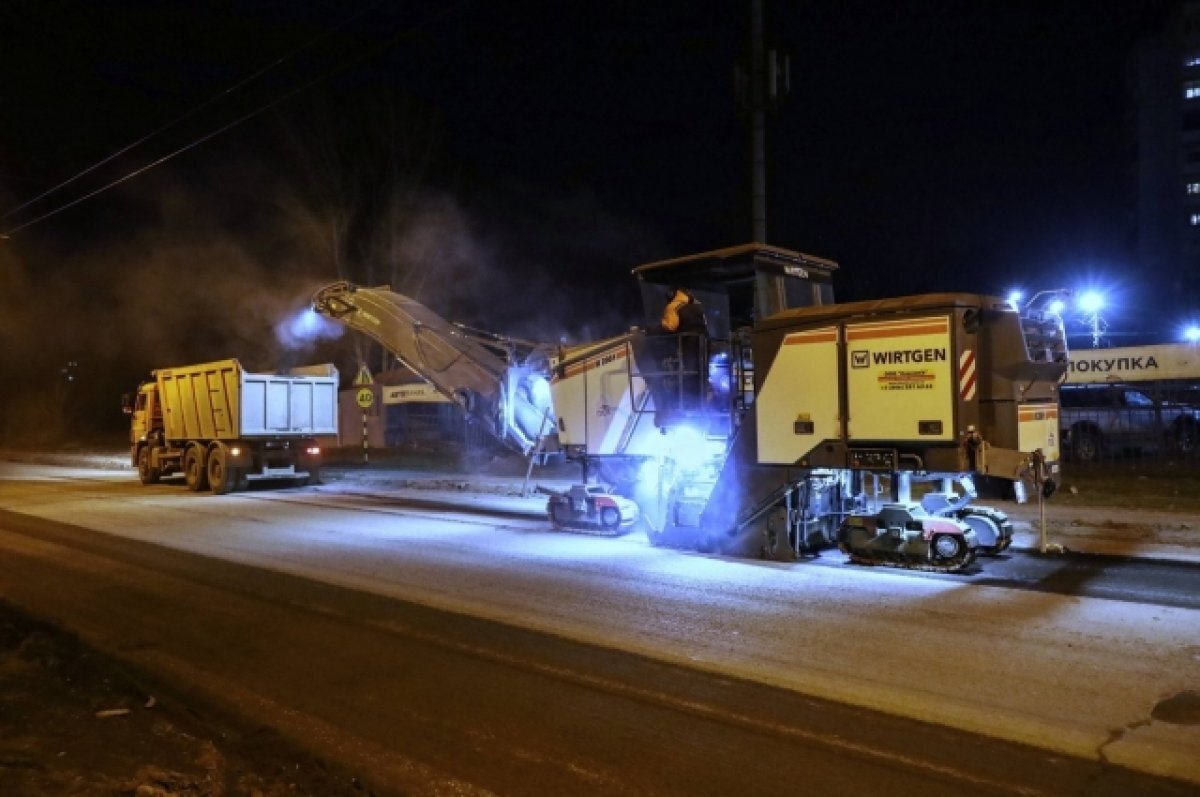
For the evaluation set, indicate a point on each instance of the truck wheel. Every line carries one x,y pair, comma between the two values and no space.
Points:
220,477
1185,438
1085,446
193,469
147,472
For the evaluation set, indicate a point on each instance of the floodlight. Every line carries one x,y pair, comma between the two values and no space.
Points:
1091,302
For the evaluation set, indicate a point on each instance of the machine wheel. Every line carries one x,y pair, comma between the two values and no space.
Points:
220,477
147,472
1085,446
193,469
947,547
610,518
986,529
560,514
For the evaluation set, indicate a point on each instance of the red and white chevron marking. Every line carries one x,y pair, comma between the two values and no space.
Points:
966,375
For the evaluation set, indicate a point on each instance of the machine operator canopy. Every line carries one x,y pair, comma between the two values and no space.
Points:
739,285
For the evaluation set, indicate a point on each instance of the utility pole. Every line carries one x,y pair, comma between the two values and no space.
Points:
758,123
763,88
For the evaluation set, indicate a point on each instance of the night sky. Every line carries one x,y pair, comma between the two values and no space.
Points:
509,163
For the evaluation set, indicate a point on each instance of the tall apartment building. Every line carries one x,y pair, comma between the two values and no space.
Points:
1164,84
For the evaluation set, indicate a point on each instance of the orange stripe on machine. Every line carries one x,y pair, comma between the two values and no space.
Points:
593,362
826,335
925,326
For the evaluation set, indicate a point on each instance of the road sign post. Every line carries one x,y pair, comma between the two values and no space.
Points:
365,397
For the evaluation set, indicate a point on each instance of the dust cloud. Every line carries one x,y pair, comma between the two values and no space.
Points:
205,276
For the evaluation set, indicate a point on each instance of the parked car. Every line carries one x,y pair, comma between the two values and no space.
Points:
1109,419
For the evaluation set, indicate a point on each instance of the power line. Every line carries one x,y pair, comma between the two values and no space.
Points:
370,53
195,110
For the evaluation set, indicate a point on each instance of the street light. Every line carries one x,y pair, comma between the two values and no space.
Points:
1091,302
1052,300
1192,333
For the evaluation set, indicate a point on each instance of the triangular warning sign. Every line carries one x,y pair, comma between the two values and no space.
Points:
364,377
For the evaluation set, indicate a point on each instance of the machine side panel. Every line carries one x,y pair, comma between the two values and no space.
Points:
901,380
797,406
1037,427
601,402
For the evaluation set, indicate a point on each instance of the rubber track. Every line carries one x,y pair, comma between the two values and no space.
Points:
908,564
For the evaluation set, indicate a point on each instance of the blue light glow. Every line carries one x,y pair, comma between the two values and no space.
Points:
1014,298
1191,333
1091,302
690,448
304,328
1057,306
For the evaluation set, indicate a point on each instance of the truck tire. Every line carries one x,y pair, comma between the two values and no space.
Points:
146,471
1085,445
221,478
194,475
1185,438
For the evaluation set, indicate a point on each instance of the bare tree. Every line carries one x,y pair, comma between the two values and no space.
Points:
363,164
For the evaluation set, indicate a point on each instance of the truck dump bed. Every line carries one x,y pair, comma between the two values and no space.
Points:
223,401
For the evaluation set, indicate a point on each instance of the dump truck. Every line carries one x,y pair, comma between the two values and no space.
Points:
222,426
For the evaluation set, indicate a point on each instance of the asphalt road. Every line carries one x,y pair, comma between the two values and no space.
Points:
430,701
1157,582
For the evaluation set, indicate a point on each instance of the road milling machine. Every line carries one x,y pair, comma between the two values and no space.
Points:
785,423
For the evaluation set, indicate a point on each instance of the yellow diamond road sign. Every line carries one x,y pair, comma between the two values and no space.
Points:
365,397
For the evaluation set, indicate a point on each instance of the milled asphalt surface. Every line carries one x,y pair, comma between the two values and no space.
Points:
502,495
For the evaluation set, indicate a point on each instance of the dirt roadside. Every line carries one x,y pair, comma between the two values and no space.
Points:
75,722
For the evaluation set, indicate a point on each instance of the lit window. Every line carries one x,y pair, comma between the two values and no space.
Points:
1191,89
1195,219
1193,188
